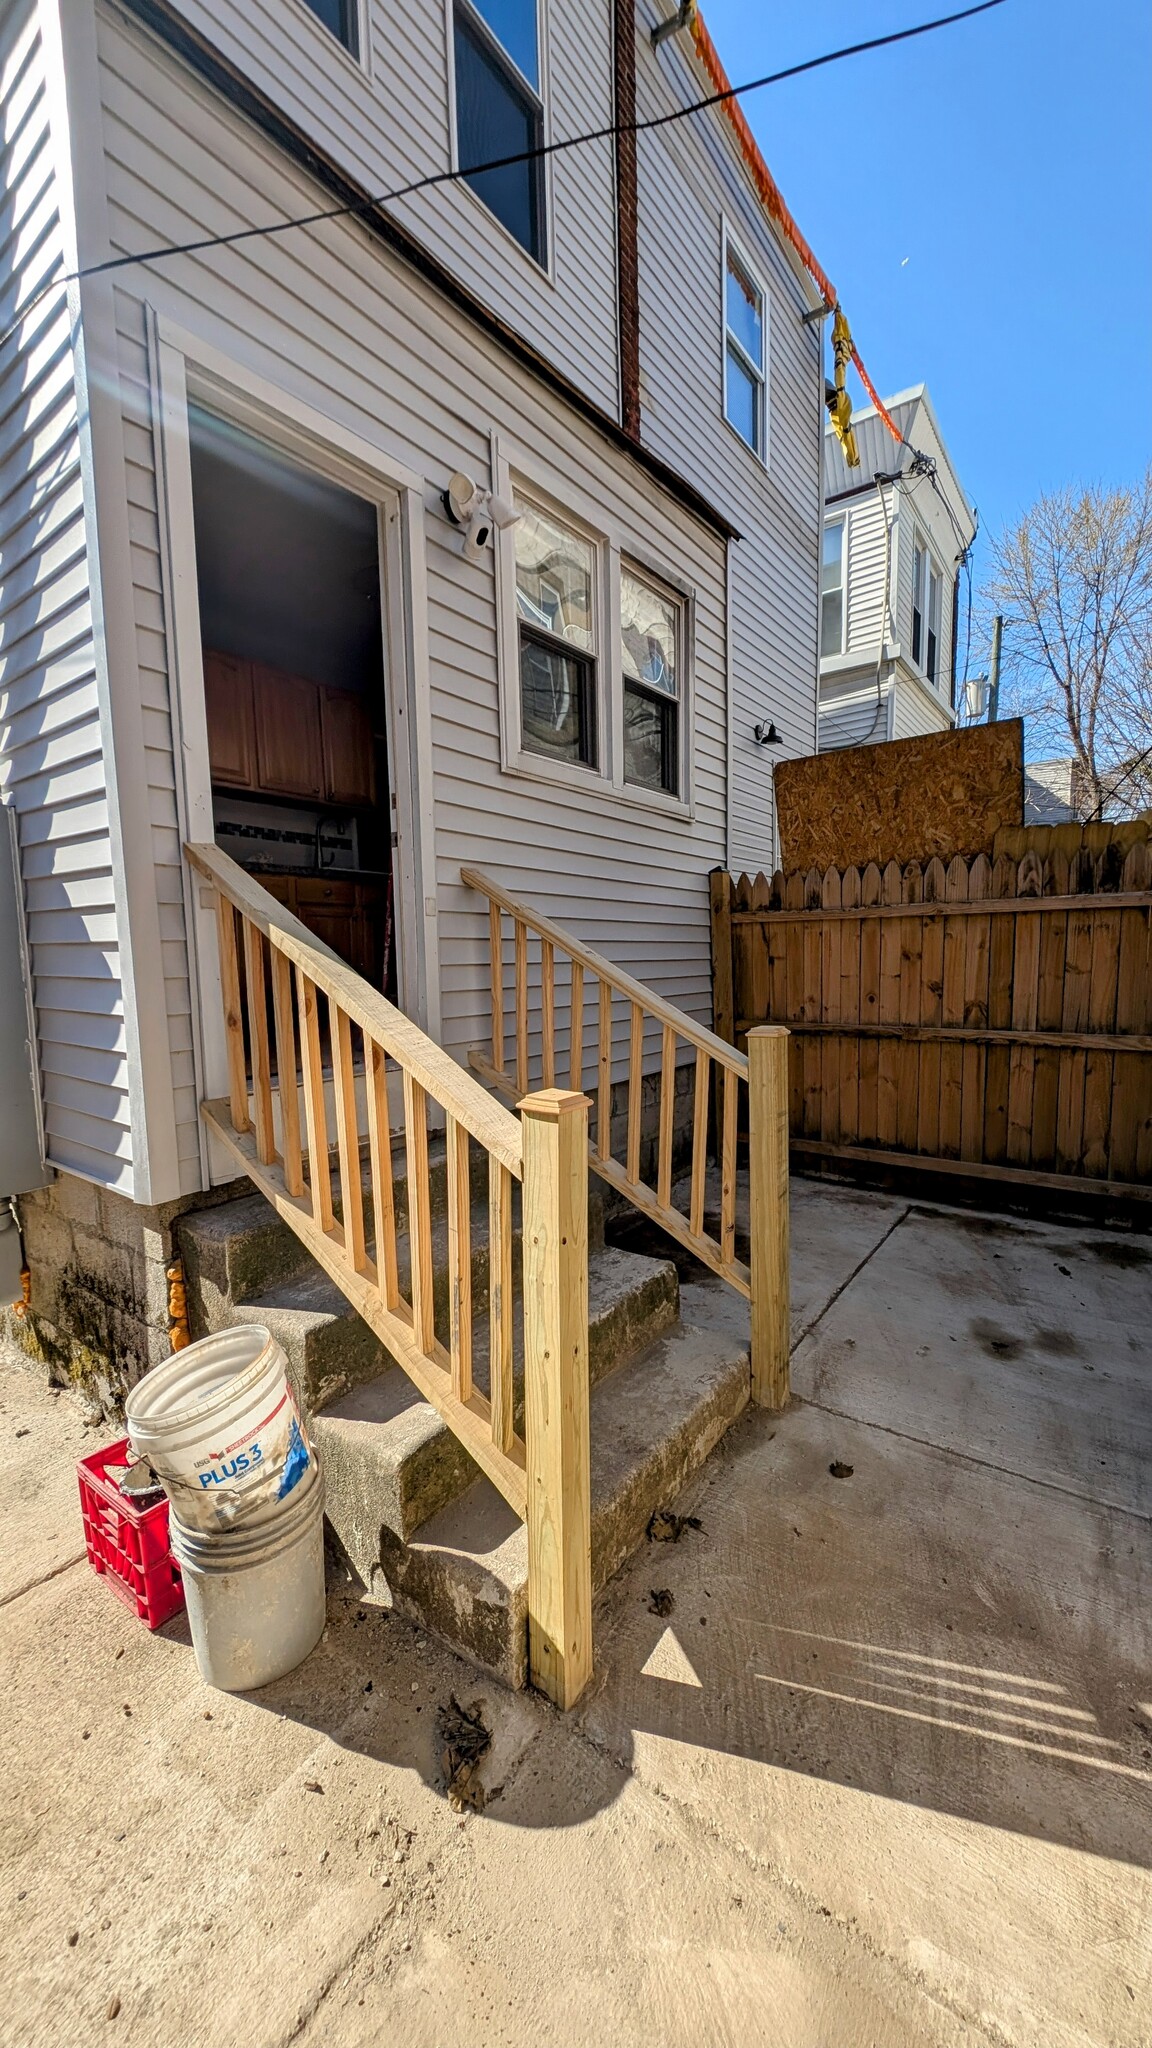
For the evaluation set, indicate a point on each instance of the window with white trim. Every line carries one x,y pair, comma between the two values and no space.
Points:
927,609
832,588
651,639
342,17
500,112
556,623
745,350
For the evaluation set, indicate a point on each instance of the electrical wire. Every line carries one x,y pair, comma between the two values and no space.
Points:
370,204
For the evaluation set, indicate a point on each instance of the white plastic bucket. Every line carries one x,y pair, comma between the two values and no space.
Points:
255,1596
220,1427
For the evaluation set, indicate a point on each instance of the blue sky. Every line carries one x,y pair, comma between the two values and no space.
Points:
1008,160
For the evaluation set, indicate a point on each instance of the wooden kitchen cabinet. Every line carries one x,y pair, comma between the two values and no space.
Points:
349,755
289,752
344,914
282,735
228,703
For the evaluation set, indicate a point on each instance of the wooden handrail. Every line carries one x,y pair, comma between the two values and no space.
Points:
351,1228
624,984
452,1086
764,1281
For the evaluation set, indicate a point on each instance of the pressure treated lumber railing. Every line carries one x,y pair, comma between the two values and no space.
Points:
551,1026
300,1023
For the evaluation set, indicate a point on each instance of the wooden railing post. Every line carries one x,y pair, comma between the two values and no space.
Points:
768,1212
556,1428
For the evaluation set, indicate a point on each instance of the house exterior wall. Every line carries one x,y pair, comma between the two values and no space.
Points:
350,109
345,328
692,186
914,509
330,320
52,740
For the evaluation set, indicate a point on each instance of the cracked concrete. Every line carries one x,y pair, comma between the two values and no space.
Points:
882,1776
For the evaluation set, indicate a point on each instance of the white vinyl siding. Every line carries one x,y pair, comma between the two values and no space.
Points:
692,181
331,318
51,752
386,123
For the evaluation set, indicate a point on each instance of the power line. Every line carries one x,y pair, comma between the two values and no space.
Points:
548,149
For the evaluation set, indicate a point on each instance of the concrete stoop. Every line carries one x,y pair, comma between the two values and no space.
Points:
408,1511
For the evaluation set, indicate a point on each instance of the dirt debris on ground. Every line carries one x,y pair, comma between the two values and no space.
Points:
895,1794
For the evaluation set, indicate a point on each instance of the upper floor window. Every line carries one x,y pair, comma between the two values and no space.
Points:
499,111
832,589
650,641
927,606
556,612
745,334
341,16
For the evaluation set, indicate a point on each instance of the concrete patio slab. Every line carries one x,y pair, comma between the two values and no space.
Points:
881,1778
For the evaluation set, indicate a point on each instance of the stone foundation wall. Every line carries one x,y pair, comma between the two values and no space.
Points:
97,1317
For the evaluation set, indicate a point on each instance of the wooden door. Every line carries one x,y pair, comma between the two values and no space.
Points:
349,755
228,703
289,750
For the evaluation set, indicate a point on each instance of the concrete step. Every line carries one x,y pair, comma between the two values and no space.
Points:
464,1574
330,1349
389,1460
242,1252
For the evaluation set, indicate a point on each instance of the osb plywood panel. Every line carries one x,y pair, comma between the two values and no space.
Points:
942,793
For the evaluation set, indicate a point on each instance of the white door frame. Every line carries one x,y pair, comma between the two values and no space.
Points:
184,366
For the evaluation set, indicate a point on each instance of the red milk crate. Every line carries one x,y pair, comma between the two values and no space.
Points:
129,1543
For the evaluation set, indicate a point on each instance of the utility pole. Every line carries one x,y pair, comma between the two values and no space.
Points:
994,671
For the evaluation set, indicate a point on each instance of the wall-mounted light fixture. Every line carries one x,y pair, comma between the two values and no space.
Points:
476,510
767,735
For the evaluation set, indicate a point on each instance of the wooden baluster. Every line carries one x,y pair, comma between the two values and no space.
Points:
635,1088
768,1213
285,1030
419,1213
501,1393
728,1168
667,1113
258,1041
459,1261
604,1082
699,1144
347,1139
548,1012
496,967
521,936
315,1116
380,1154
576,1045
233,1024
555,1127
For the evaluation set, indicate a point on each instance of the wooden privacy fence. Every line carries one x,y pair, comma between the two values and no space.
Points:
567,1006
986,1016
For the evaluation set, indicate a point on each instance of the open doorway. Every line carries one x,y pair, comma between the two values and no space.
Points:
288,576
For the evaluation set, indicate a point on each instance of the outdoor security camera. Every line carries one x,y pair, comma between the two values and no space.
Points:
479,530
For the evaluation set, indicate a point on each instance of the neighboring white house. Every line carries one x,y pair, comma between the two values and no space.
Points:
231,601
895,532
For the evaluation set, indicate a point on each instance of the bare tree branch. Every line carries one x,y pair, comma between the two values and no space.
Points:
1074,581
